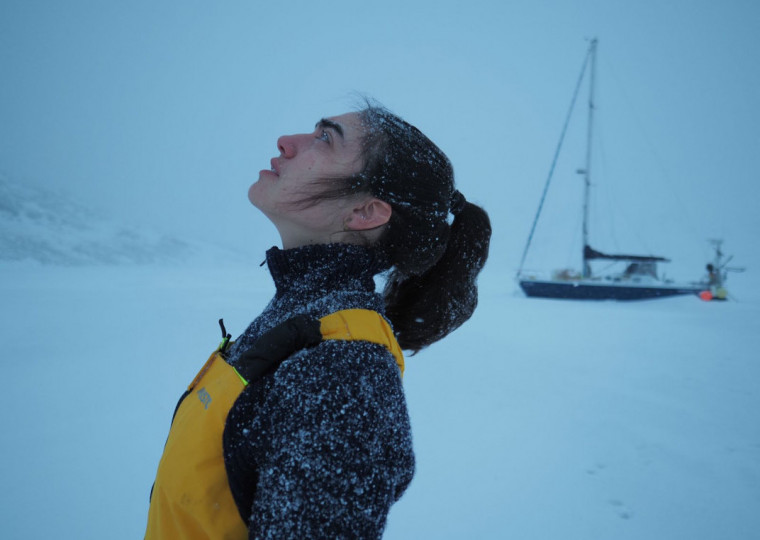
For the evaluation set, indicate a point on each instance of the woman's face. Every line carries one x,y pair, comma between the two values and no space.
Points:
332,150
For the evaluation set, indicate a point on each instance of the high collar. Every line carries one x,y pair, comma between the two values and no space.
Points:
324,267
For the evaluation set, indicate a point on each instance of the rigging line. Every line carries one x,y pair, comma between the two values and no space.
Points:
556,156
658,160
608,191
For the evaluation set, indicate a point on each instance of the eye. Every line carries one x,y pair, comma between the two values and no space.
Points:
325,136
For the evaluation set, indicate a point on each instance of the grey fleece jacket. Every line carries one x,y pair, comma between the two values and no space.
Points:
322,447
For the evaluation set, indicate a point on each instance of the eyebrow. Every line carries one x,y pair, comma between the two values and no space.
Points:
325,123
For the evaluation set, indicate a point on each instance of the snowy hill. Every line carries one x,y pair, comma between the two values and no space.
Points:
51,228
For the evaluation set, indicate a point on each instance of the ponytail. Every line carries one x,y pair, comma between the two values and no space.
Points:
427,307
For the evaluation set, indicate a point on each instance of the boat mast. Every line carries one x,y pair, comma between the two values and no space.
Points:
554,160
587,170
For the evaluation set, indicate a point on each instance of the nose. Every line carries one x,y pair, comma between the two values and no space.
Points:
287,145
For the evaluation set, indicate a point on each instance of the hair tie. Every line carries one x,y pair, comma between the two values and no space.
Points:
456,202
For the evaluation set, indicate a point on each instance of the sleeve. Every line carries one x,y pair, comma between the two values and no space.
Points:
338,447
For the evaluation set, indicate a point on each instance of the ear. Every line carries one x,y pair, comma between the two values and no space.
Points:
368,214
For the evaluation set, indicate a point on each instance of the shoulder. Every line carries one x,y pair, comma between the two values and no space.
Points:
346,367
356,383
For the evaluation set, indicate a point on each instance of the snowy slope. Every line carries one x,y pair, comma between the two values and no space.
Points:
539,419
51,228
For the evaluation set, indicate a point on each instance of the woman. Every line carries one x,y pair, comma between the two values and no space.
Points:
310,437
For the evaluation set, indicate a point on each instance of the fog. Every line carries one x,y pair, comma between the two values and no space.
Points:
162,115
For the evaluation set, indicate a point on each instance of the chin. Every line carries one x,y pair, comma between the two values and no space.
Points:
252,194
260,203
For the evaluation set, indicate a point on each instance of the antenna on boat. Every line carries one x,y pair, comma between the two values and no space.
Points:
719,269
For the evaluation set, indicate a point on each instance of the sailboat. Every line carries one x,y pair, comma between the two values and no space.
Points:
637,281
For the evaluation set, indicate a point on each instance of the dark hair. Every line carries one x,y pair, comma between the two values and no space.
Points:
431,288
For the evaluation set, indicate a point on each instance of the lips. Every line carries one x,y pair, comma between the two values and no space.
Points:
275,164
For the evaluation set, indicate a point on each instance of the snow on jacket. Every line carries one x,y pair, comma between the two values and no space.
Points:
321,448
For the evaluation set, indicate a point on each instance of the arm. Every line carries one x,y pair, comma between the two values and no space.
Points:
338,451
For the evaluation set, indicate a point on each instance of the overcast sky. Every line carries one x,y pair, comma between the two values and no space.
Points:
162,113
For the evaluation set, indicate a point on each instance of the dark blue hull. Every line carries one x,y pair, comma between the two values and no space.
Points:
577,290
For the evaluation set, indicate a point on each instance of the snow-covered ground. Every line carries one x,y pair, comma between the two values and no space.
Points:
538,419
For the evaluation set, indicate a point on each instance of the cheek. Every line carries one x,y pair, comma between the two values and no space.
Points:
325,215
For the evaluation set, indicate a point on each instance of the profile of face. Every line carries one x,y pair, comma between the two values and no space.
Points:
332,150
